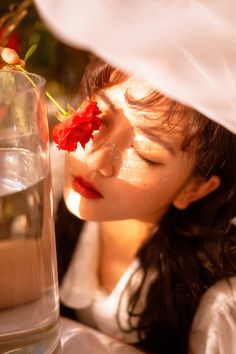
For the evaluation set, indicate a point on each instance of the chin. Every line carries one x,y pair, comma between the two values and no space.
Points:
82,208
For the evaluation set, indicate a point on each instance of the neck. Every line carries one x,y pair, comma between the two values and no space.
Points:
120,241
125,237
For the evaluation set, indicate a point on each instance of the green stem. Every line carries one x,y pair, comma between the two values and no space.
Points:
56,103
26,74
47,93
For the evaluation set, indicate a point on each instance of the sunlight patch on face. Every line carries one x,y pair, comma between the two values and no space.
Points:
73,200
132,169
146,144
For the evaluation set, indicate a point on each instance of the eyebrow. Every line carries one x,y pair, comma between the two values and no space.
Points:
147,131
107,100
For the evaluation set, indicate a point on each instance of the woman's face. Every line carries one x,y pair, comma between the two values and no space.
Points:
133,168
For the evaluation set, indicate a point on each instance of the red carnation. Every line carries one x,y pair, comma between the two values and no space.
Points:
12,42
79,127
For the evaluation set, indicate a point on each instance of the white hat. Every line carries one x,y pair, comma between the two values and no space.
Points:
184,48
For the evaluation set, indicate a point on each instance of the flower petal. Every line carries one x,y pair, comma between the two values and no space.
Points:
79,127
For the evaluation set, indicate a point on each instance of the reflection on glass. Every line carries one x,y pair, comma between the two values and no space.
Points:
28,276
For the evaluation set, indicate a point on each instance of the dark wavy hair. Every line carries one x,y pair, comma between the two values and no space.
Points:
194,247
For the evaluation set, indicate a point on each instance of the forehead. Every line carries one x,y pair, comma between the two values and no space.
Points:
152,123
136,87
130,96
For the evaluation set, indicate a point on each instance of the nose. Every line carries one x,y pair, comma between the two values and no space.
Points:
104,155
104,159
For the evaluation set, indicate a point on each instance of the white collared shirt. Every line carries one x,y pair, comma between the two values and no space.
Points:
214,325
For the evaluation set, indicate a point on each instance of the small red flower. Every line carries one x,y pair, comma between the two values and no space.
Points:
79,127
13,42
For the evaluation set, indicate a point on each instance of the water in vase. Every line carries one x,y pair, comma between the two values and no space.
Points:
28,275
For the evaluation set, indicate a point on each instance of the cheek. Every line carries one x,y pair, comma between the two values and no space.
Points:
134,176
157,186
133,170
72,167
138,173
144,185
73,160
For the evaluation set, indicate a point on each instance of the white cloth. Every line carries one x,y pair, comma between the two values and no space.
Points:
214,325
80,289
184,48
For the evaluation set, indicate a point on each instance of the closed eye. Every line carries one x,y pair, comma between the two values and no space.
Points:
149,162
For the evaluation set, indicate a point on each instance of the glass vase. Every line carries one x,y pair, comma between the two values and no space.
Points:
29,305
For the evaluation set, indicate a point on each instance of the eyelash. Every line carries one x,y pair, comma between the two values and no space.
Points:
149,162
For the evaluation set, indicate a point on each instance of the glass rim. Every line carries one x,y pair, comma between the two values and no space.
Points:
39,81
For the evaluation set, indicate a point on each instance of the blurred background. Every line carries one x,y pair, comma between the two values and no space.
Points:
61,65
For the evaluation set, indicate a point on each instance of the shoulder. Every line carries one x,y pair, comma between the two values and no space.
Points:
214,325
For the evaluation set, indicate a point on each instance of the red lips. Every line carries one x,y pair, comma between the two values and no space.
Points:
85,188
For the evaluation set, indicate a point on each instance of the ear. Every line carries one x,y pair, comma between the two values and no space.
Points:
195,190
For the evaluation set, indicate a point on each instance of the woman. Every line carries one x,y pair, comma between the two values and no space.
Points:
158,181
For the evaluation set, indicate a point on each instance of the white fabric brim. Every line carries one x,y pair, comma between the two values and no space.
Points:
185,48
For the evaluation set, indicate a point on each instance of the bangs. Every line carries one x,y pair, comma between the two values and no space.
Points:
99,75
200,134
